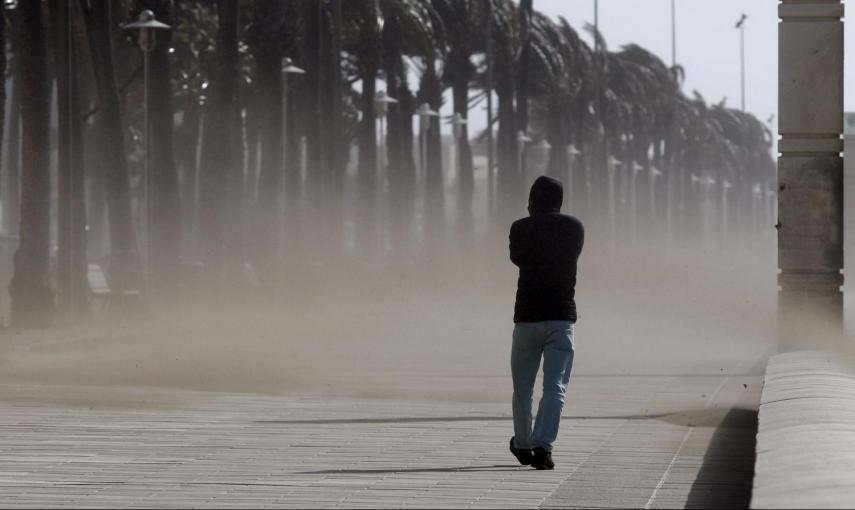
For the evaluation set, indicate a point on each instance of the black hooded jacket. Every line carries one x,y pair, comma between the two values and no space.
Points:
546,247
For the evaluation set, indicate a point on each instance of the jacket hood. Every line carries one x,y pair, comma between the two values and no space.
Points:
546,196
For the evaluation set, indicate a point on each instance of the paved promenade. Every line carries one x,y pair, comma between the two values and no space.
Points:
640,441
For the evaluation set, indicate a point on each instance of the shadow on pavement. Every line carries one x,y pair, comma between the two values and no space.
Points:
688,418
431,419
495,467
727,474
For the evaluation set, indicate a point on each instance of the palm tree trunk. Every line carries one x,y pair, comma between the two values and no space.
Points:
392,60
465,169
72,282
556,135
31,299
124,266
525,15
269,82
219,190
508,178
403,187
430,92
165,200
12,182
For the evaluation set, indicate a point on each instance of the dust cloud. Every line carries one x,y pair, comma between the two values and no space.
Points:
438,331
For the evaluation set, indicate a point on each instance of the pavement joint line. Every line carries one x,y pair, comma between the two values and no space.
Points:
688,434
608,436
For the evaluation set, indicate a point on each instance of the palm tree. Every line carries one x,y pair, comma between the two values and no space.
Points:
31,297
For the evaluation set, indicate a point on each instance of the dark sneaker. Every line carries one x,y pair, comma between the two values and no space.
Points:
524,456
542,459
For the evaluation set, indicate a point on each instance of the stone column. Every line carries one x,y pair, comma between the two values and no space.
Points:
810,173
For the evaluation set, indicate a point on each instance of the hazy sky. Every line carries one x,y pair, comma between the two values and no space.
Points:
707,44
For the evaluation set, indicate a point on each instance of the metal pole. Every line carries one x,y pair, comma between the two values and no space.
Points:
673,33
491,184
69,125
596,25
283,192
742,60
146,176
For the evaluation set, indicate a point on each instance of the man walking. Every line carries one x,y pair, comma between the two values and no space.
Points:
545,246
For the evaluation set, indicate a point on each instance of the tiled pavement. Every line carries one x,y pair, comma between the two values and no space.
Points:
652,441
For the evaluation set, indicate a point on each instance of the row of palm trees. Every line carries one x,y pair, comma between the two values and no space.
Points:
253,164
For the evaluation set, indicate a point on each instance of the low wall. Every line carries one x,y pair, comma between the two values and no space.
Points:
806,433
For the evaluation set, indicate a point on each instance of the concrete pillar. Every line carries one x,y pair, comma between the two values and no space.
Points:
810,172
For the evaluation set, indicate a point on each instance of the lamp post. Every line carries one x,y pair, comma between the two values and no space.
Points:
612,163
288,67
633,198
457,122
572,154
654,174
522,140
740,25
145,26
425,113
725,186
756,207
381,107
543,147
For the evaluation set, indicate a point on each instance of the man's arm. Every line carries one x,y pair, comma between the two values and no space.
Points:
517,247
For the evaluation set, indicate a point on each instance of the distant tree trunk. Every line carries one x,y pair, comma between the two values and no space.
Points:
508,180
219,200
465,171
12,158
525,15
370,61
556,135
72,283
12,183
308,109
430,92
123,271
31,299
269,228
404,185
165,201
392,37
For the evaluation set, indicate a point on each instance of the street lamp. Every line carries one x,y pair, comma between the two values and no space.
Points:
288,67
146,25
425,114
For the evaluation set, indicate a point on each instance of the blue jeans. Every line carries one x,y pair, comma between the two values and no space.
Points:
553,341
